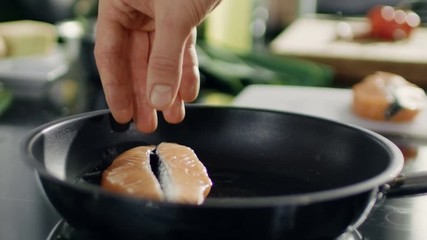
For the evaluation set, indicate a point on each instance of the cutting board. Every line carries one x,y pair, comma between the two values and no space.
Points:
329,103
315,38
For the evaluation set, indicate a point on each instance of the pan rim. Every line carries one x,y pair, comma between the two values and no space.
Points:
368,185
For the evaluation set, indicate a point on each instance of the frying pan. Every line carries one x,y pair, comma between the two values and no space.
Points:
276,175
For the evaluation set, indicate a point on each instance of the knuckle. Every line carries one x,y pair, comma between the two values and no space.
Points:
164,65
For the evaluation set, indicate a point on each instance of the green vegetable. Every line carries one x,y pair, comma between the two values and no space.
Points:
232,71
5,99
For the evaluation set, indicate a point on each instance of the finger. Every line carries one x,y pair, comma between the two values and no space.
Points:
111,60
165,63
144,116
190,79
176,112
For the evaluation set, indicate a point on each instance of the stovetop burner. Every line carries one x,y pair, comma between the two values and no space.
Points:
353,235
63,231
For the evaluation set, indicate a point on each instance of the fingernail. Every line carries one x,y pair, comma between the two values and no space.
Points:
161,96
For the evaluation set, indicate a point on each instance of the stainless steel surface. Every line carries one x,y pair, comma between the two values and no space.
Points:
401,218
24,212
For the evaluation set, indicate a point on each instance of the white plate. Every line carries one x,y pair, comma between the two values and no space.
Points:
329,103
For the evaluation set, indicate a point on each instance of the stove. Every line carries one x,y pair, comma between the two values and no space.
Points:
63,231
25,213
389,220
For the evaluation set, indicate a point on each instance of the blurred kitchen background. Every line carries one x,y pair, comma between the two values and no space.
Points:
47,68
47,71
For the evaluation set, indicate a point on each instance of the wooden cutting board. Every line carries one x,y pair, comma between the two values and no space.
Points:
315,39
329,103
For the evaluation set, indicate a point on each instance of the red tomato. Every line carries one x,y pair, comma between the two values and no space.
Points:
392,24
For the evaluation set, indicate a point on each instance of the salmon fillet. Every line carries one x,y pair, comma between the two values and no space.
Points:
182,176
384,96
130,173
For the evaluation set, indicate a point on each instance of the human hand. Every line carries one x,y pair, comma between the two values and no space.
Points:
146,57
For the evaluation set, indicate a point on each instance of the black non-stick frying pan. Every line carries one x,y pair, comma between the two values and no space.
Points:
276,175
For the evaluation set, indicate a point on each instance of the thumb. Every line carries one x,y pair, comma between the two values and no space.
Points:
165,62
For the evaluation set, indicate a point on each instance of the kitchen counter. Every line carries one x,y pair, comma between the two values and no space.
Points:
391,218
315,38
24,212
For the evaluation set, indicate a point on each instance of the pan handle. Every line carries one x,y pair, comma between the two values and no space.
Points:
406,185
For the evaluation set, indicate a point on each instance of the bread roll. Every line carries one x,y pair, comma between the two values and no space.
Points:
384,96
27,38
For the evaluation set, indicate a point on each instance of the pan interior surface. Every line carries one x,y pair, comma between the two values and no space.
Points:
249,154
